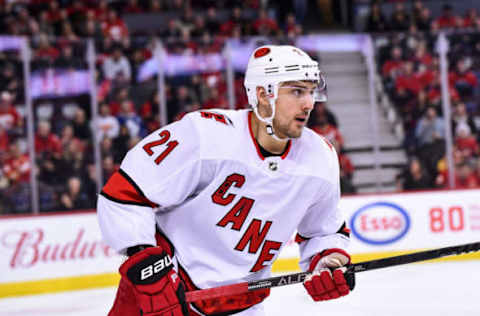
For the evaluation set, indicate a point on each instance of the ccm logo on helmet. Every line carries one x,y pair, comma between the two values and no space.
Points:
155,268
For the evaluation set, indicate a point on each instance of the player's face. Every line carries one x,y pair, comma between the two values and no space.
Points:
294,103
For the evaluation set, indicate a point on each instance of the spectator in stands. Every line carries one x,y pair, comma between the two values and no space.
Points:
10,120
4,139
465,177
290,24
53,12
346,170
415,177
128,118
424,20
470,19
66,59
215,100
47,143
26,24
184,97
319,111
81,126
149,112
106,146
211,20
264,25
465,141
376,21
117,67
430,128
114,27
330,132
68,34
199,27
120,145
132,7
460,116
67,136
400,20
155,6
463,79
73,161
108,167
45,52
417,9
392,67
17,166
10,79
236,19
44,25
477,171
187,19
91,27
77,12
447,19
106,125
172,31
422,57
430,135
101,10
74,198
409,79
48,150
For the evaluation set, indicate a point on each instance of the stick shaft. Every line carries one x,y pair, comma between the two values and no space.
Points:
294,278
414,257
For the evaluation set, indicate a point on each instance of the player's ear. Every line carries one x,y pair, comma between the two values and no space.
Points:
264,108
262,96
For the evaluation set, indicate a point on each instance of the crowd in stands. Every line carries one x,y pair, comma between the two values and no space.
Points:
65,134
409,68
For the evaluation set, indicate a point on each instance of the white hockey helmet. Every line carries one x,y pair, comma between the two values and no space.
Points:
271,65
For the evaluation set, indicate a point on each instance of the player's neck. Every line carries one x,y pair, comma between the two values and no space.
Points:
269,143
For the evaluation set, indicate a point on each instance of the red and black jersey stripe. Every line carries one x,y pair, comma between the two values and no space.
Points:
121,188
343,231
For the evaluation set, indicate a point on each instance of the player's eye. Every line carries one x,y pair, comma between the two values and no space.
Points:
297,92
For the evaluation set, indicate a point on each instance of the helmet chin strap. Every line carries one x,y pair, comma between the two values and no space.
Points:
269,121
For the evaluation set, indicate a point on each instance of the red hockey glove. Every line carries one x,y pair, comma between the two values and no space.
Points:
157,288
328,279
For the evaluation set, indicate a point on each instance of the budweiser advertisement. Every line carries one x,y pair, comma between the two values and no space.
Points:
46,247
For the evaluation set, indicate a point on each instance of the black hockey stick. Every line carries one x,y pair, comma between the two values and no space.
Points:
294,278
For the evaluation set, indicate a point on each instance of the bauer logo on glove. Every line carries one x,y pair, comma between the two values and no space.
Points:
151,269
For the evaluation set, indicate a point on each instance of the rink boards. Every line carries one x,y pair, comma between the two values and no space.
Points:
59,252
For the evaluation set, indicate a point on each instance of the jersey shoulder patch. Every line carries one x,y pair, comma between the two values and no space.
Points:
216,116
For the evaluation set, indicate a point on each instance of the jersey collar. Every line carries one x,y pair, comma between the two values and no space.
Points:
259,153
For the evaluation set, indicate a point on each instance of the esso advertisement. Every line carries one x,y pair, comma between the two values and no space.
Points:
380,223
412,221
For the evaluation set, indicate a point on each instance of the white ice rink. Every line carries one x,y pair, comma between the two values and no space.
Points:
437,289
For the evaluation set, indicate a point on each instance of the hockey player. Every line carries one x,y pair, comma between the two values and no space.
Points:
211,199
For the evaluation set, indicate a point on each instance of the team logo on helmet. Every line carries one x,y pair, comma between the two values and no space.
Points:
262,52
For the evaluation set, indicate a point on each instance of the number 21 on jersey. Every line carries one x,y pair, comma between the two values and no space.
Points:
164,137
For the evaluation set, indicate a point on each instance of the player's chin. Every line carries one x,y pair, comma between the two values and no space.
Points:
295,133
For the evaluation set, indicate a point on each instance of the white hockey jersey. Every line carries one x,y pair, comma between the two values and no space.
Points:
226,209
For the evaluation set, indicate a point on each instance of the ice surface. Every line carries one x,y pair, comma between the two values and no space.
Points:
439,289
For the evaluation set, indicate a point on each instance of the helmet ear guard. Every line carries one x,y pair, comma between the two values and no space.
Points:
271,65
